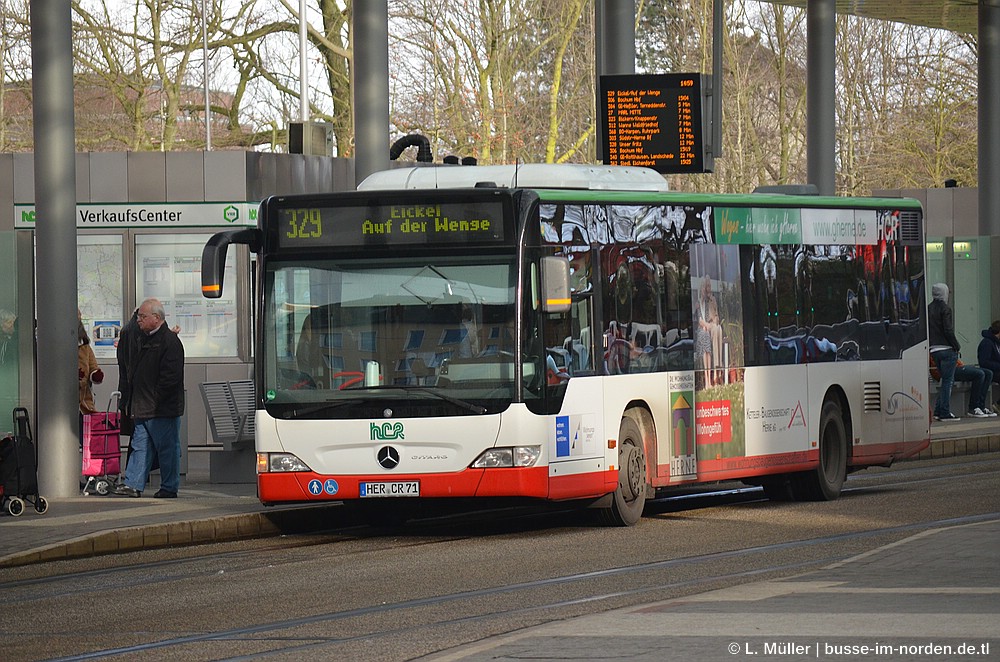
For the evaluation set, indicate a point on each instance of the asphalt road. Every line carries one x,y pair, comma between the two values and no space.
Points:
401,593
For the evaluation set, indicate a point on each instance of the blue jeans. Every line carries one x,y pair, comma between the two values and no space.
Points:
980,378
162,437
946,361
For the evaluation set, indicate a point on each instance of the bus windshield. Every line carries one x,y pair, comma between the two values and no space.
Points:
428,336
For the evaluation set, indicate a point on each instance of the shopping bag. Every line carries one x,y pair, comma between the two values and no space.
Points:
101,443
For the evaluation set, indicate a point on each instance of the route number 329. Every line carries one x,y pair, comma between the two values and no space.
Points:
304,224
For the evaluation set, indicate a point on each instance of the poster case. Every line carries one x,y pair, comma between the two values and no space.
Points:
168,268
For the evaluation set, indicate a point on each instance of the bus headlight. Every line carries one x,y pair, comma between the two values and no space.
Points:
279,462
517,456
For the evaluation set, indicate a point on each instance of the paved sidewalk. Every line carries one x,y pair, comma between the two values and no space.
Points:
933,596
204,512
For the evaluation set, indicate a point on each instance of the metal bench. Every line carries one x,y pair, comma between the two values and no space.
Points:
231,410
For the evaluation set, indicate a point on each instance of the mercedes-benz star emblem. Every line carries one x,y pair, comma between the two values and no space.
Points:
388,457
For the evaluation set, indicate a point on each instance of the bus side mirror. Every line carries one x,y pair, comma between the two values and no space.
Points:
213,258
555,285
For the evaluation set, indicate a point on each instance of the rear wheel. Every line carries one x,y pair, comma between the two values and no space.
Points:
629,497
825,481
41,505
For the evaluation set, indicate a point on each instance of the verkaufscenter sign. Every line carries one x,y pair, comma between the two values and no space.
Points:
152,215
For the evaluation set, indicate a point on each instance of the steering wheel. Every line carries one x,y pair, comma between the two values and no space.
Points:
354,378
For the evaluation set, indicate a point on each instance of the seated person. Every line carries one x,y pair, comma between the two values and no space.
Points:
988,354
980,378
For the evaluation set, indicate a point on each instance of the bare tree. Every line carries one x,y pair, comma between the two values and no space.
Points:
501,79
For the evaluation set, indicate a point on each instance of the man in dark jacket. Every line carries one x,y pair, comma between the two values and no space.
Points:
126,349
989,354
155,377
944,348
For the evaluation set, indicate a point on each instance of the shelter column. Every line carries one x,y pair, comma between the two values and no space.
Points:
55,215
821,95
371,87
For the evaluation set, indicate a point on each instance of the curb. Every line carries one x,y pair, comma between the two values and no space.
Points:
222,528
986,443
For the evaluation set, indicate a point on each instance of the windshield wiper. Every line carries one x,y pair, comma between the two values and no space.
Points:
476,409
323,406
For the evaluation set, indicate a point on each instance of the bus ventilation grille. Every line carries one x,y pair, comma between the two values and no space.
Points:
873,396
909,227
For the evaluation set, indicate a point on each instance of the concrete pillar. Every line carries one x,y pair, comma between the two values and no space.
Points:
821,95
371,87
989,117
55,195
989,136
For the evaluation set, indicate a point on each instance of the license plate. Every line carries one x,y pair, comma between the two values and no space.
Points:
400,488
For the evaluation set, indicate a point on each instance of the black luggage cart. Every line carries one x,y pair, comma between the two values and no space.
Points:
19,468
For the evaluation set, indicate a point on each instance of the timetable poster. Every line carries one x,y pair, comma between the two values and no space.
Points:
172,274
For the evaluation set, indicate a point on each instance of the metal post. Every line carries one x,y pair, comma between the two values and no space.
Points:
821,95
989,118
619,37
204,49
718,39
304,64
614,42
371,87
55,207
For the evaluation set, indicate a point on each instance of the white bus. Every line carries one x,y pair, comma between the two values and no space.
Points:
578,333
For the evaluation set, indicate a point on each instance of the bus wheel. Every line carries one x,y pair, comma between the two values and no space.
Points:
826,480
629,498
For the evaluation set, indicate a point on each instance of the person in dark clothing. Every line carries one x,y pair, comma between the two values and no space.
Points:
126,349
944,348
155,383
8,361
988,354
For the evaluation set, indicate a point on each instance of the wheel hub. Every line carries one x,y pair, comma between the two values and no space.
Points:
632,474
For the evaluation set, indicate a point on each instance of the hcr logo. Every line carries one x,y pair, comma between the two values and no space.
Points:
28,216
386,431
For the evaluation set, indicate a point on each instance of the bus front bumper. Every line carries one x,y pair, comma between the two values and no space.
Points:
304,487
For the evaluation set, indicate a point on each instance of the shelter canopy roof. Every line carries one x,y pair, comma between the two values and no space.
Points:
955,15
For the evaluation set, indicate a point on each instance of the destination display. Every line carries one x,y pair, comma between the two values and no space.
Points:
652,120
391,225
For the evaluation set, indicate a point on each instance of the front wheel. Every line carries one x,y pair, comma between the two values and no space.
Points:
15,506
629,497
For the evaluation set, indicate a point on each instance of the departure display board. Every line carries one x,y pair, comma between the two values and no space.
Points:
312,226
652,120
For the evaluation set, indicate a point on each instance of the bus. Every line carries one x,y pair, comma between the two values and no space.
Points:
578,334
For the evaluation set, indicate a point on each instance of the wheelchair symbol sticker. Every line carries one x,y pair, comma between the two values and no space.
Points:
330,486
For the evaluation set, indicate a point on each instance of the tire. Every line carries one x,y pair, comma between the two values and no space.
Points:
826,480
629,497
41,505
102,486
15,507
